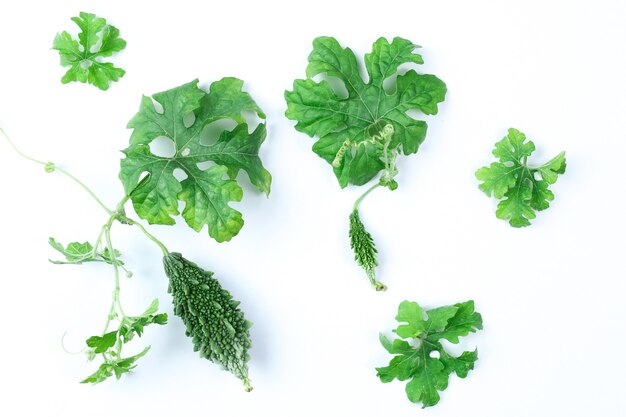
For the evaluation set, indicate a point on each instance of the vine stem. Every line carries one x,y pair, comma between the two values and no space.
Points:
358,200
105,231
118,214
148,234
116,293
84,187
18,151
50,167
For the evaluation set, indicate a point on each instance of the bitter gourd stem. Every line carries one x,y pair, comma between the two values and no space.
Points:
148,235
358,200
247,385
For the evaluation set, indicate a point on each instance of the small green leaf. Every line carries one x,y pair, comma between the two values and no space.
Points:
91,354
160,318
106,256
96,40
135,325
426,364
514,180
116,367
78,253
75,252
153,308
102,343
104,371
125,365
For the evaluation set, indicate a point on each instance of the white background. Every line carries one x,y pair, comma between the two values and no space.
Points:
551,295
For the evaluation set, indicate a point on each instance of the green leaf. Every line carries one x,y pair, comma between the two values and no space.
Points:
461,365
412,314
106,256
517,182
103,372
207,194
78,253
426,383
135,325
425,363
110,345
125,365
102,343
463,321
116,367
397,346
75,253
152,308
96,40
132,326
360,117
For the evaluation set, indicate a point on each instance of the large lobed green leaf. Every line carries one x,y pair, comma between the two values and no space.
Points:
517,183
426,364
207,193
96,40
319,111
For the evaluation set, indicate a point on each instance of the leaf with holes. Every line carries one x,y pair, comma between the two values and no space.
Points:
426,364
367,110
96,40
522,187
207,193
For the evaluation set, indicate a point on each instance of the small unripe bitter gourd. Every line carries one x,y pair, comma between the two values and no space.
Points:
364,249
213,319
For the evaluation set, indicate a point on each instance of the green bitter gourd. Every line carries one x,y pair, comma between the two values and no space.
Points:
214,322
365,253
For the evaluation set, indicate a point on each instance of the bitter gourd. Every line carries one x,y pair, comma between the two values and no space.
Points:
214,322
365,253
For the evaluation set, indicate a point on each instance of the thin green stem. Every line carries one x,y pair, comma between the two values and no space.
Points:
109,317
116,293
84,187
106,231
358,201
18,151
96,245
121,204
50,166
378,286
148,235
111,314
126,271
